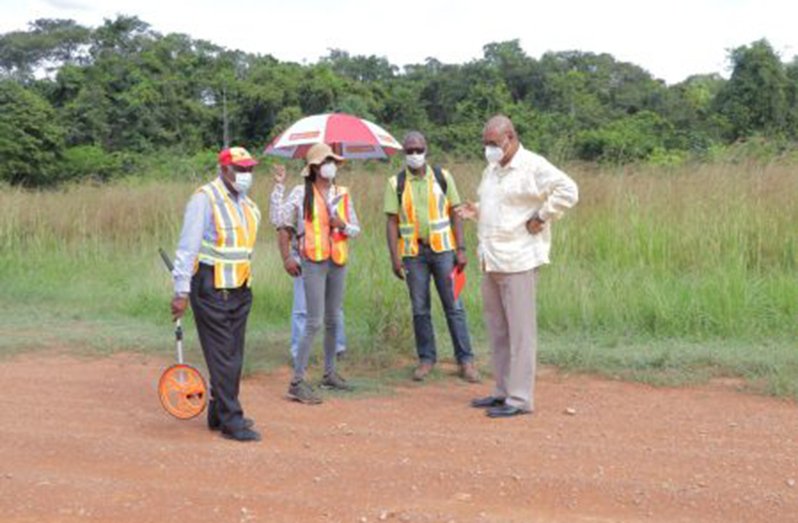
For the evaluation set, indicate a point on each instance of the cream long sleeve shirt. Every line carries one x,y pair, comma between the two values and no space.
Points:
509,197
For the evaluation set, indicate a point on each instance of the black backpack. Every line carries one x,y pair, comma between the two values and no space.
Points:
402,176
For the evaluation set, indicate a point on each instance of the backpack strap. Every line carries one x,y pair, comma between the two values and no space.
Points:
400,186
440,178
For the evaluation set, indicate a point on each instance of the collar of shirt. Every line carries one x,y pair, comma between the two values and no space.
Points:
415,177
514,163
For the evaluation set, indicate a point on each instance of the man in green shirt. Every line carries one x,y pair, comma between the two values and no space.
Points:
426,240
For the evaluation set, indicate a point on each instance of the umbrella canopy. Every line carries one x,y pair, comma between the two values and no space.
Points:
350,136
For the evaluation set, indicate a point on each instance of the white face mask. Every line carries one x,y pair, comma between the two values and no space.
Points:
415,161
243,182
493,154
328,170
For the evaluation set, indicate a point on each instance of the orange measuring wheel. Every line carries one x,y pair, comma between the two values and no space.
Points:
182,391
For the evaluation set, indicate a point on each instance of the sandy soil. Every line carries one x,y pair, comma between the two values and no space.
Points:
86,440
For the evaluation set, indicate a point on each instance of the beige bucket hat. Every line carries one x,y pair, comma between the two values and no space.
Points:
317,154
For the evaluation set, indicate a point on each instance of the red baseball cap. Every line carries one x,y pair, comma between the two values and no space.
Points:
236,156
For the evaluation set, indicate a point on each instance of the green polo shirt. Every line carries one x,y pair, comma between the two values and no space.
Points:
418,184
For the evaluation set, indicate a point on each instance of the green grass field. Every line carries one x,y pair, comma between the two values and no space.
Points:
667,276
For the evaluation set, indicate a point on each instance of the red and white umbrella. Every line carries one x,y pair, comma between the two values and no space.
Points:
350,136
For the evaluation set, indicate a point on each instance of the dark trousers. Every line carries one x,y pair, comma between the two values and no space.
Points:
418,271
221,318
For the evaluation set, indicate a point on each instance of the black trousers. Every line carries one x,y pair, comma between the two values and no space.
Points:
221,318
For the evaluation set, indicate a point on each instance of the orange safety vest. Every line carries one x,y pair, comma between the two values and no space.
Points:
441,237
320,242
231,253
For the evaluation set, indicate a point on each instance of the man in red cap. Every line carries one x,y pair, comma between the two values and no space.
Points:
213,271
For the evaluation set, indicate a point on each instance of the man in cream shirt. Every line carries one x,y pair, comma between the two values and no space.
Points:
521,194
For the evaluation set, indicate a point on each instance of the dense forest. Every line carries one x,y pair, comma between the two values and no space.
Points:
77,101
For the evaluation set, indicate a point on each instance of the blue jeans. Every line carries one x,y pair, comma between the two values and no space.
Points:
299,316
418,271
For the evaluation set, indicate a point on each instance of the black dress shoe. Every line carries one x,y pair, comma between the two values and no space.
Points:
505,411
484,403
242,435
215,424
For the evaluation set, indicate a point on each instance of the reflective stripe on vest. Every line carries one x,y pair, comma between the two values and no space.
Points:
231,254
320,242
441,238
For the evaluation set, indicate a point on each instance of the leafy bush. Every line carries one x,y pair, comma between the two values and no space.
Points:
630,139
175,164
756,148
30,139
90,161
667,158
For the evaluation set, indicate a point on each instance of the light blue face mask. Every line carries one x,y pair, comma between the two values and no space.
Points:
493,154
243,182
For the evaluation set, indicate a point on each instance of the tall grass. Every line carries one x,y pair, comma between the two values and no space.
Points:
706,252
701,256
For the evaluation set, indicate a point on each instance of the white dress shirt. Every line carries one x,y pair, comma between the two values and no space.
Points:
509,197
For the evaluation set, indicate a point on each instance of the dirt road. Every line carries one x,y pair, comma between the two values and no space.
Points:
85,440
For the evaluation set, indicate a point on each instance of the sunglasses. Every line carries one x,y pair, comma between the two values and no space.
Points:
414,151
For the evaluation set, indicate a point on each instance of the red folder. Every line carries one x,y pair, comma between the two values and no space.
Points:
458,281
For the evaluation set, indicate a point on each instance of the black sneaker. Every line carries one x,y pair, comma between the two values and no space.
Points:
334,381
303,393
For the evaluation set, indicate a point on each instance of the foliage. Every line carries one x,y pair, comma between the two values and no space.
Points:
48,43
631,139
91,161
758,97
31,140
125,89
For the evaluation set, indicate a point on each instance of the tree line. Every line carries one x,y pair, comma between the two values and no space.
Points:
78,101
